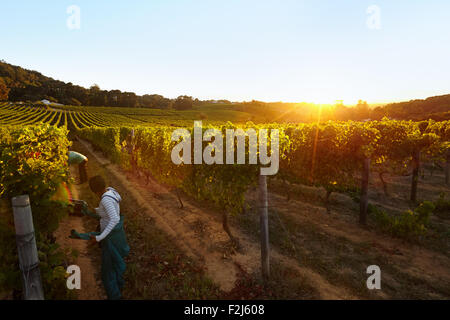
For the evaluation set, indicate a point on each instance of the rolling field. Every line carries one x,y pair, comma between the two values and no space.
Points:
80,117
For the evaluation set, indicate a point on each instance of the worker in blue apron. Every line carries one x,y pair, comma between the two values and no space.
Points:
111,237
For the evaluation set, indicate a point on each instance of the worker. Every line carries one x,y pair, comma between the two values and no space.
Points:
81,160
111,237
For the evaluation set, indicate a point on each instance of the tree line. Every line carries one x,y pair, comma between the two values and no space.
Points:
19,84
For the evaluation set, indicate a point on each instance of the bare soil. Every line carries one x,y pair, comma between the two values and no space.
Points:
88,257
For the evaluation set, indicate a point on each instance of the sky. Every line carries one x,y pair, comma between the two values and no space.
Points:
271,50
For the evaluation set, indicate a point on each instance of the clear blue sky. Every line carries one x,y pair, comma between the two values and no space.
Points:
280,50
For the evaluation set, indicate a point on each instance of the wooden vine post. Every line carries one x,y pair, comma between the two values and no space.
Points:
264,221
27,250
415,174
447,168
363,202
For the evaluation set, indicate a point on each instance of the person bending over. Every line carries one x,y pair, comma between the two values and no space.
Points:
81,160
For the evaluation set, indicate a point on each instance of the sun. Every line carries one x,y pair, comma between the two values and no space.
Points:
323,99
334,101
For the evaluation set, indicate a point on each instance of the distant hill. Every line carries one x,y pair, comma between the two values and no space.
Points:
437,108
30,86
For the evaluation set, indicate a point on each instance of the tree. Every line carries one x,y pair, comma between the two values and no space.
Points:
97,97
94,87
377,113
342,112
155,101
362,110
183,103
4,92
128,99
113,97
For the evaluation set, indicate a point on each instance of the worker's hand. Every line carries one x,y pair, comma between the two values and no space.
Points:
92,240
84,204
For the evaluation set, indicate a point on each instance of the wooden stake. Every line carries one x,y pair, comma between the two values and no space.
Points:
364,190
264,221
447,168
415,175
26,246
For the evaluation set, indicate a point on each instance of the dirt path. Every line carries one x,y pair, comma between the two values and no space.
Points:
200,234
416,259
91,287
